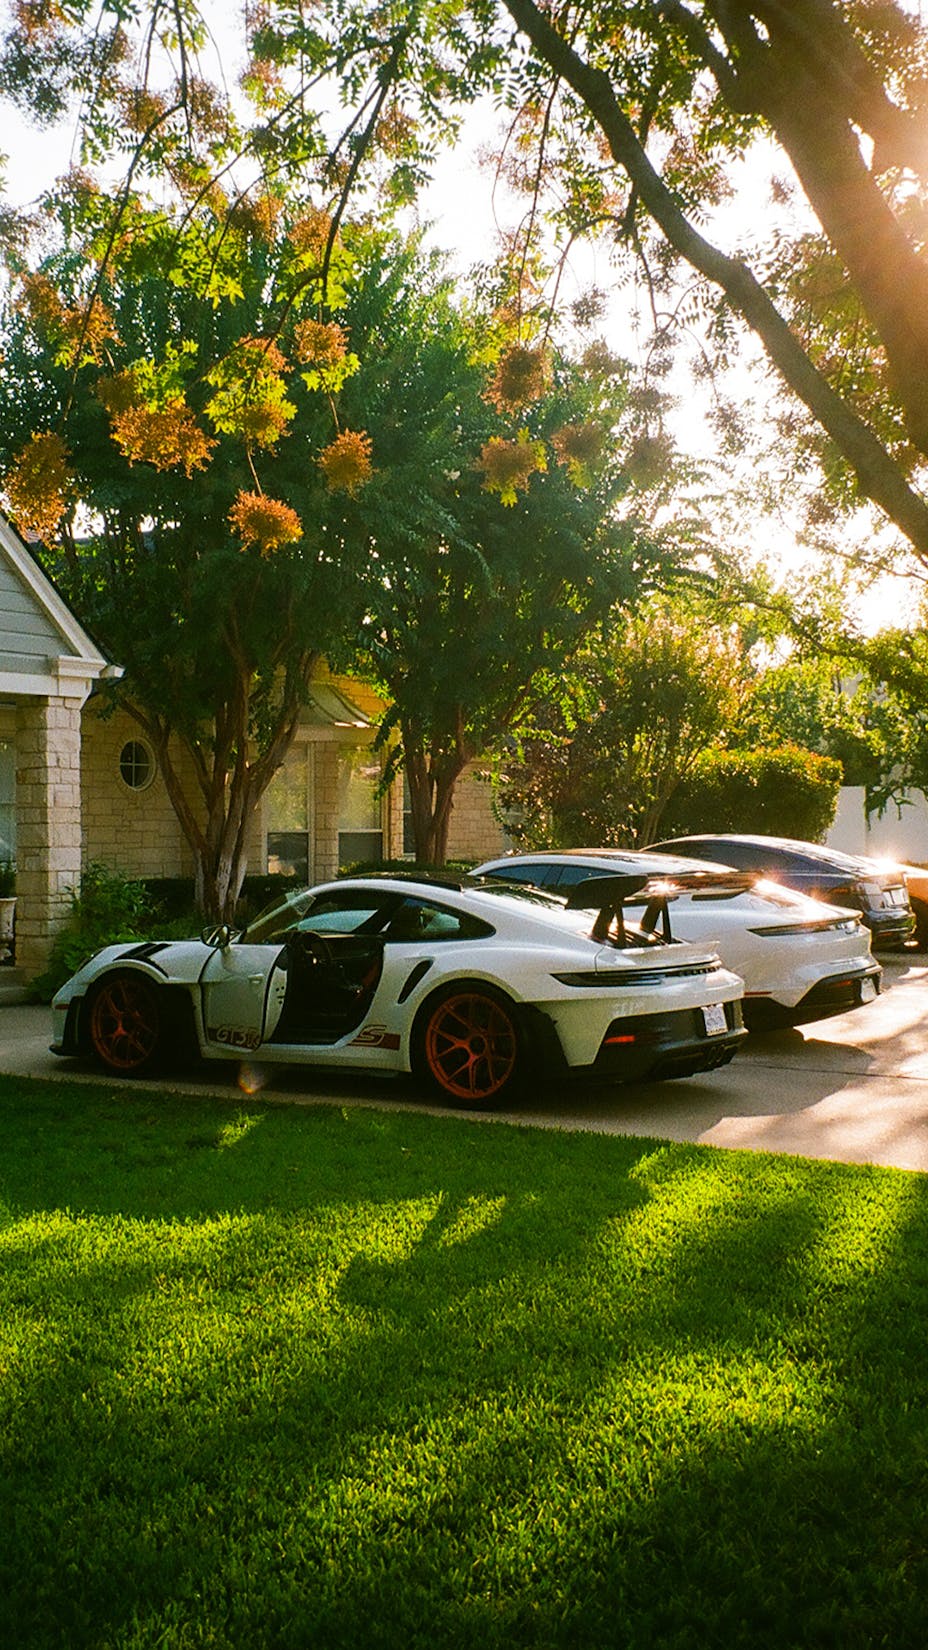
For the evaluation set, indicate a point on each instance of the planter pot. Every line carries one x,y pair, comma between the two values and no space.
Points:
7,923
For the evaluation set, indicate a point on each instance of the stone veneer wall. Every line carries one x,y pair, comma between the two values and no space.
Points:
48,848
135,832
474,833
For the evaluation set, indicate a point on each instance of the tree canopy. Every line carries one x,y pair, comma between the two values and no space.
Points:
526,540
170,437
246,442
627,118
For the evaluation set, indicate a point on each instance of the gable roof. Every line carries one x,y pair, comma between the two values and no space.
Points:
43,648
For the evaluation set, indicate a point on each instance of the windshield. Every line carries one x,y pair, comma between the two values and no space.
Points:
276,918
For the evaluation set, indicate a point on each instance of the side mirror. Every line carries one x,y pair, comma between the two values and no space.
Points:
220,936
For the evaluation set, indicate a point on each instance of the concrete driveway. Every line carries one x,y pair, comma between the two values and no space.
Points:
854,1089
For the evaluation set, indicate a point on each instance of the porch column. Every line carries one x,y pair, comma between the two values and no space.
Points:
48,847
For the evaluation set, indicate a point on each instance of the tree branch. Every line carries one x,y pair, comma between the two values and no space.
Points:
878,476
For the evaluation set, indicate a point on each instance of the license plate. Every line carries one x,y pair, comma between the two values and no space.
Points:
714,1017
867,991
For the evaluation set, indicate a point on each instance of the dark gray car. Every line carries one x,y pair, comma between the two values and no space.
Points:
877,892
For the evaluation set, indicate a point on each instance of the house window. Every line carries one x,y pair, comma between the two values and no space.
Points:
7,800
136,764
288,814
360,807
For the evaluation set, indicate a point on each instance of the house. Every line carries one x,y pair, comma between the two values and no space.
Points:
48,667
77,787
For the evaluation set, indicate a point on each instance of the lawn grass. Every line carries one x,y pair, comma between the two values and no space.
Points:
280,1378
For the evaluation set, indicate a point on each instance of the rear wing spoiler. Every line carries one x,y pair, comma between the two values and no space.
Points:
607,896
718,881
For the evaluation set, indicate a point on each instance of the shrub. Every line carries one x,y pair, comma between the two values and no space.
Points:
106,909
786,791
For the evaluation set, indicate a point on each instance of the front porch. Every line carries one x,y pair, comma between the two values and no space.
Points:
48,665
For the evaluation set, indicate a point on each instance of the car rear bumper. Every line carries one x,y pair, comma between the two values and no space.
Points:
836,995
669,1044
891,927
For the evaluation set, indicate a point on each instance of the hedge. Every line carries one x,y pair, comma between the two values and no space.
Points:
786,791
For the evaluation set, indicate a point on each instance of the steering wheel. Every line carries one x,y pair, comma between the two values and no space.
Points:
315,946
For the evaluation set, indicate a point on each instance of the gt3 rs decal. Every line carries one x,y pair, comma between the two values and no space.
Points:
235,1037
375,1037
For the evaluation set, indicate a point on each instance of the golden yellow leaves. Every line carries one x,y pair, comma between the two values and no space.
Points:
167,437
150,420
522,376
578,446
648,459
309,235
39,20
79,332
251,400
346,462
37,485
265,522
320,343
257,216
322,346
142,110
508,466
42,300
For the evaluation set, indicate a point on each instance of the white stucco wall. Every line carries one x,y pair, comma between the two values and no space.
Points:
901,833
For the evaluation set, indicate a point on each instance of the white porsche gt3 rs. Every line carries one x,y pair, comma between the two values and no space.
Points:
800,959
470,985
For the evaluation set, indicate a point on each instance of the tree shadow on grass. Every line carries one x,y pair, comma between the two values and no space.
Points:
310,1378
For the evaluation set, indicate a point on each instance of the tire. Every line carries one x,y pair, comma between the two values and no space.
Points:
469,1046
125,1023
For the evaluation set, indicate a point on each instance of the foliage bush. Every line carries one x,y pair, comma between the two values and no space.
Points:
786,791
609,742
106,909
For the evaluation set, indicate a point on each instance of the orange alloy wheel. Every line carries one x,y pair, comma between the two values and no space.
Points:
471,1046
125,1023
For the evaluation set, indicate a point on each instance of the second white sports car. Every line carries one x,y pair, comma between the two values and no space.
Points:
800,959
470,985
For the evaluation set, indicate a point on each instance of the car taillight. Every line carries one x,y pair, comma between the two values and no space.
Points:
841,925
599,978
847,894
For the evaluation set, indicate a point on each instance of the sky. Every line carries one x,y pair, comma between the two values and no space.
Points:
467,218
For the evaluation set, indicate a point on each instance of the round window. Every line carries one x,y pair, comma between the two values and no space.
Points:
136,764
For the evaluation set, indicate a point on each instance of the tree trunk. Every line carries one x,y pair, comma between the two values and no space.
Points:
432,778
231,783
